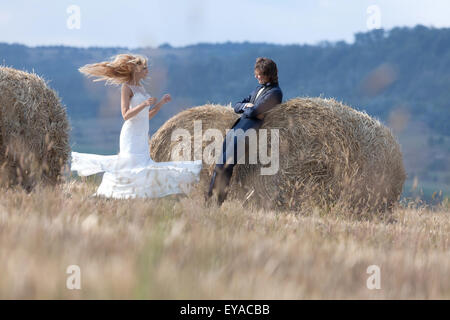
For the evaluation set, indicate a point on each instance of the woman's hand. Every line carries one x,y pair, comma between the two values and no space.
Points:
150,101
166,98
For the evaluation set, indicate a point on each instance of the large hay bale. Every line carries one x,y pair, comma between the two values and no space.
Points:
329,154
34,138
211,116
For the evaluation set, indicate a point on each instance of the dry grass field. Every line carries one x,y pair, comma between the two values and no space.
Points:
178,248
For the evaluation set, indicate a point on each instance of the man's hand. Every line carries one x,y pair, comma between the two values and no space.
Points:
249,105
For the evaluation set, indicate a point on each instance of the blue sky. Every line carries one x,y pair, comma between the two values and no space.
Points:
137,23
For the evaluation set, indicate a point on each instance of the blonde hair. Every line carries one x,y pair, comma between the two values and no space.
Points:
119,70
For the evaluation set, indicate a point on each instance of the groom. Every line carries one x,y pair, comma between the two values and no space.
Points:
266,96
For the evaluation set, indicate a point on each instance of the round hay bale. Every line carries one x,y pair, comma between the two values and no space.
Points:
211,116
34,139
328,154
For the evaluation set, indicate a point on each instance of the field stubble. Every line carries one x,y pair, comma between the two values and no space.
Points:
178,248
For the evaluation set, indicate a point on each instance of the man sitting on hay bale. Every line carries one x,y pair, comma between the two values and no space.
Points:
266,96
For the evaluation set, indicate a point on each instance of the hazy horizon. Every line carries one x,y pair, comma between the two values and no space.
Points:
207,43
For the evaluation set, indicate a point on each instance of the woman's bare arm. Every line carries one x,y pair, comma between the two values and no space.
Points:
128,112
154,111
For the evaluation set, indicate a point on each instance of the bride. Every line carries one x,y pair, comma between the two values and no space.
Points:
132,173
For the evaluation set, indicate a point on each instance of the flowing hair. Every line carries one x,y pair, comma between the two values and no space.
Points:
119,70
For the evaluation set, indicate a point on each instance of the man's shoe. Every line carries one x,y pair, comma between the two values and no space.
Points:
211,185
221,197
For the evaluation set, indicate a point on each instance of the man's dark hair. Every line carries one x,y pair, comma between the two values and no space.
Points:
268,68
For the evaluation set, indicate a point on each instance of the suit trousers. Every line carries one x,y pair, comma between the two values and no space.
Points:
230,146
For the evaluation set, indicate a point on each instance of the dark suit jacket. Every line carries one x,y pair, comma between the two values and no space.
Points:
269,98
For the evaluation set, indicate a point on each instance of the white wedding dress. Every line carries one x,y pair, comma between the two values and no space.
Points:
132,173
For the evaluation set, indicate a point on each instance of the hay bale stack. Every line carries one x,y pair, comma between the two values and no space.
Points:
34,138
329,154
211,116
